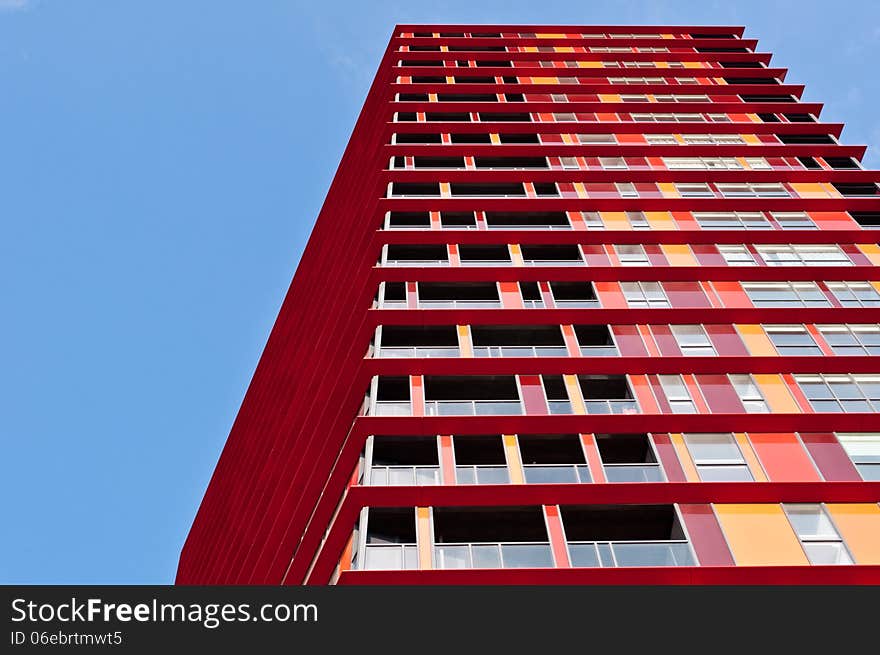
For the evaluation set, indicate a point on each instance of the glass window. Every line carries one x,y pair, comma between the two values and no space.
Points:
626,189
817,534
864,451
732,220
717,458
792,340
644,294
677,394
638,220
631,255
852,339
596,138
612,162
803,255
794,221
692,340
694,190
749,393
841,393
855,294
785,294
737,255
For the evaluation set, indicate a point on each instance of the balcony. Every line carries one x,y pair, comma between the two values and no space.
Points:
490,538
553,459
625,536
473,407
540,255
595,341
390,540
628,458
502,555
402,461
630,553
520,351
556,473
518,341
527,221
482,474
607,394
404,341
460,295
403,352
391,557
404,476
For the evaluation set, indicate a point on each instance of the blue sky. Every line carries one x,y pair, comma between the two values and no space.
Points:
162,163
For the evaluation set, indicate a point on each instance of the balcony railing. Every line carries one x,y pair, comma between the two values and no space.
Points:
556,473
402,352
533,304
528,227
560,407
392,304
630,553
392,408
482,474
520,351
406,476
473,407
553,262
633,473
459,304
599,351
416,262
391,557
575,304
486,262
622,406
510,555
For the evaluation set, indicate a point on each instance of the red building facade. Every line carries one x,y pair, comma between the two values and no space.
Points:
584,304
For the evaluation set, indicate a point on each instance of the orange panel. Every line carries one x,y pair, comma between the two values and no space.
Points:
684,458
510,295
679,254
859,525
750,457
615,220
556,536
833,220
756,340
643,394
760,535
423,536
464,341
610,295
731,294
591,451
776,393
514,462
575,394
783,457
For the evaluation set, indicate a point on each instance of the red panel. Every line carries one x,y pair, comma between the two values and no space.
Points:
783,457
533,396
686,294
830,457
726,340
665,341
732,294
720,394
629,341
595,255
668,458
706,536
707,254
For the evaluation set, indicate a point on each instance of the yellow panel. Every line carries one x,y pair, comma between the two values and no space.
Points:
575,395
756,340
550,36
544,80
494,139
423,536
760,535
678,254
530,48
660,221
444,190
751,458
615,220
662,64
668,190
580,190
776,393
693,64
751,138
809,190
667,36
754,118
871,251
465,344
590,64
564,48
684,458
859,525
450,79
514,463
834,193
516,254
609,97
567,138
876,285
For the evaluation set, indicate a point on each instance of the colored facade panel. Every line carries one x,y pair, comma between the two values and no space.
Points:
579,318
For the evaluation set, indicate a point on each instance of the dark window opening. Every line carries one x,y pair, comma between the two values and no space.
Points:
483,253
391,525
769,118
841,163
766,98
866,219
397,336
458,219
751,80
551,449
526,219
467,97
506,117
809,162
546,189
511,162
405,451
517,335
406,116
417,138
621,523
457,290
448,117
530,290
461,79
475,387
486,189
741,64
625,449
409,219
476,450
518,138
413,97
572,291
494,64
514,97
799,118
489,524
605,387
851,189
477,48
428,79
800,139
395,291
551,253
415,189
438,162
417,252
471,138
595,337
393,388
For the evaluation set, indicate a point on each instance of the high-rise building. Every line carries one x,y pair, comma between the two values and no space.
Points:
584,304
